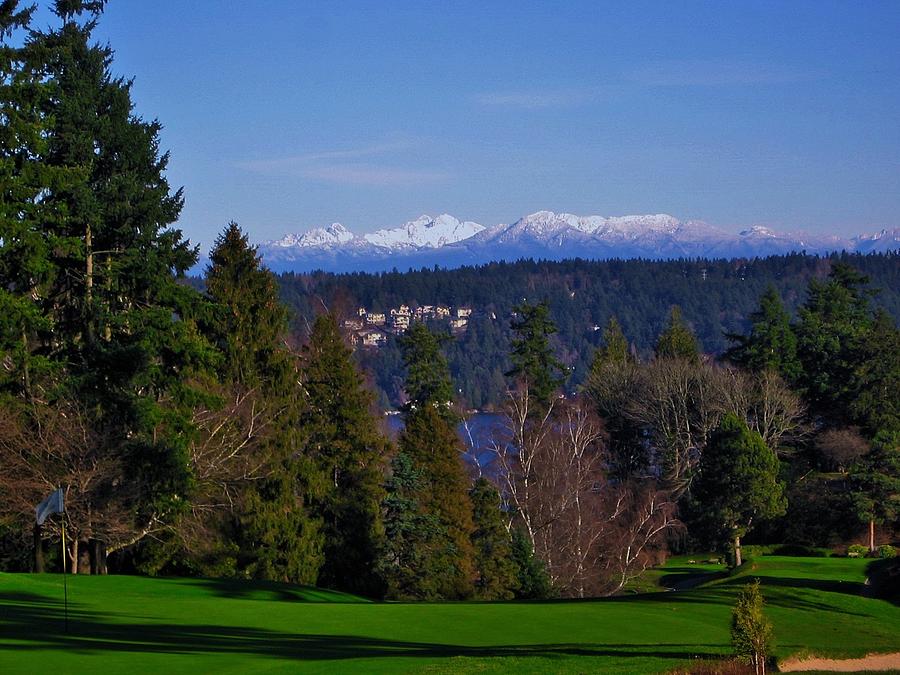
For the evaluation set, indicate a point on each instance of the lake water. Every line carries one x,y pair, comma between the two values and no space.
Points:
476,432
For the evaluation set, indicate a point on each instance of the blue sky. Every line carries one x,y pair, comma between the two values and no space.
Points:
284,115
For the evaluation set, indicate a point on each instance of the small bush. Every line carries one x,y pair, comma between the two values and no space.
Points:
799,551
857,551
751,630
887,551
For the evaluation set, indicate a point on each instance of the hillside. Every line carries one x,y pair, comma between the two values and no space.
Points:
716,297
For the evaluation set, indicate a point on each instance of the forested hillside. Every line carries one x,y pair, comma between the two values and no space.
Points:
716,297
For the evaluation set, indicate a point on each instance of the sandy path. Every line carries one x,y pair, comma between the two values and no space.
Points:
872,662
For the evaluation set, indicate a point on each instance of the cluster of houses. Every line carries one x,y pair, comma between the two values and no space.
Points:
371,329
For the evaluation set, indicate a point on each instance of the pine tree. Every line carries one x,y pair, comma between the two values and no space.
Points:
611,385
497,573
532,357
677,341
533,580
832,329
435,450
410,533
251,323
428,381
875,483
90,223
614,348
738,482
276,534
430,442
771,343
344,440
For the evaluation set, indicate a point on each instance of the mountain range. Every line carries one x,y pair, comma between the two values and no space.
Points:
448,242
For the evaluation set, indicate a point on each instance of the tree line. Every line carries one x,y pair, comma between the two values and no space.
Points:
716,298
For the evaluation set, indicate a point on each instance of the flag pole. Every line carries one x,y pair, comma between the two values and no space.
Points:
65,585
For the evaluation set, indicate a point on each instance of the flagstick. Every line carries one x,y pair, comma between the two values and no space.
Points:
65,586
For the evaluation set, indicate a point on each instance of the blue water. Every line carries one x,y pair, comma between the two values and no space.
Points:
477,432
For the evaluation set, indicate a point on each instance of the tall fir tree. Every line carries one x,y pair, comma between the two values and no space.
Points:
344,439
771,343
497,572
832,328
90,224
531,353
615,346
277,535
428,381
434,449
875,483
611,385
677,341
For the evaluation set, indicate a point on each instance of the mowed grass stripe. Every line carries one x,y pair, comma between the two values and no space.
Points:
132,624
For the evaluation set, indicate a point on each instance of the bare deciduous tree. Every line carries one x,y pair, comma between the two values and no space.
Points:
592,534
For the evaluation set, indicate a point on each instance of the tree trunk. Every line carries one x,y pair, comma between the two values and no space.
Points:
84,559
89,283
98,556
738,559
38,550
872,536
73,557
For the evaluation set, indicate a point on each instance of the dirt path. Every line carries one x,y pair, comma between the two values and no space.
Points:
872,662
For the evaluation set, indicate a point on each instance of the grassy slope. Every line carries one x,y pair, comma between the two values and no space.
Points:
128,624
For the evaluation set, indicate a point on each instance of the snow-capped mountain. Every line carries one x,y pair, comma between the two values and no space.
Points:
449,242
425,232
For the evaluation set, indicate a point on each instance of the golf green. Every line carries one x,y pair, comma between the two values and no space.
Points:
121,624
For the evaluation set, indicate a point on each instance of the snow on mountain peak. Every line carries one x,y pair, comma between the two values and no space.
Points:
320,237
425,232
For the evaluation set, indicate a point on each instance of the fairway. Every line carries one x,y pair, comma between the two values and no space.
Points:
133,624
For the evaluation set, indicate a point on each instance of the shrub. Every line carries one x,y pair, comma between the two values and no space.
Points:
799,551
751,630
857,551
887,551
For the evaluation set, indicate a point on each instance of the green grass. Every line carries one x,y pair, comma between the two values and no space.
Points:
136,625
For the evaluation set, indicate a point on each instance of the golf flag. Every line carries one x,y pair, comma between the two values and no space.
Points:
52,504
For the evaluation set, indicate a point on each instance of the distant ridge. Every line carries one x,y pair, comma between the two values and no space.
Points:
449,242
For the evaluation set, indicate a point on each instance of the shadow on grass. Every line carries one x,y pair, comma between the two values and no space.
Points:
33,622
237,589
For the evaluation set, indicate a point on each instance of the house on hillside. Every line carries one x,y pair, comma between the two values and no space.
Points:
369,337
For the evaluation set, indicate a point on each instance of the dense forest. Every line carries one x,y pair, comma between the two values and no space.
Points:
716,298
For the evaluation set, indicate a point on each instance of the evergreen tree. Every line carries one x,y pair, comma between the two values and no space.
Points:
435,450
771,343
497,572
276,534
738,481
677,341
533,580
410,534
532,357
832,329
615,346
344,440
876,403
252,322
428,381
611,385
875,483
86,236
